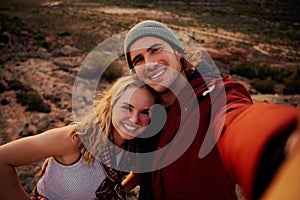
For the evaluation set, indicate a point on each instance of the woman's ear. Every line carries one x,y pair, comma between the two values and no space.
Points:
76,139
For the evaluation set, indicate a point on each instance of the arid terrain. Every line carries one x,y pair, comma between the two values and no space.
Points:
43,45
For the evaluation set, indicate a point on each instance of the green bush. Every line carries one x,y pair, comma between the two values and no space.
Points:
45,44
242,69
292,83
15,85
265,77
258,70
40,36
263,71
100,64
266,86
65,33
32,101
114,70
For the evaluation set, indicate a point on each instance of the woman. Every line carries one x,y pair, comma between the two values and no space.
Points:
84,156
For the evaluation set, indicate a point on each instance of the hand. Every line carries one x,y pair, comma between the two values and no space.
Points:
44,167
292,141
38,198
285,184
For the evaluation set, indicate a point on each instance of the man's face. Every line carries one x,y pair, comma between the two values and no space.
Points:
156,62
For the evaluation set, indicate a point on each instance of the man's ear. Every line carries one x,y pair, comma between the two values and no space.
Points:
179,55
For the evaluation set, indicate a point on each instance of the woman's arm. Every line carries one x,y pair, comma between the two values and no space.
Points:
132,180
55,142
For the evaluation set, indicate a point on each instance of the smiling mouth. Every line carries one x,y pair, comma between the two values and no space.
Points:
158,74
128,127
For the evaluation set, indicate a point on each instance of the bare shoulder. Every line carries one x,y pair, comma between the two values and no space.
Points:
64,146
65,130
60,138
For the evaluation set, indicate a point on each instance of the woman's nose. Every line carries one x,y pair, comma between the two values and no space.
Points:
134,118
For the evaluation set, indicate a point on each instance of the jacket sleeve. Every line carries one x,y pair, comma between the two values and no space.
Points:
252,142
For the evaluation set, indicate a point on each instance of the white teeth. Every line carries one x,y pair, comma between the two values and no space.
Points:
131,128
157,74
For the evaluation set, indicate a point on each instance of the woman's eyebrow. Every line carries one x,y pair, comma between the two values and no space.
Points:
126,104
132,106
146,109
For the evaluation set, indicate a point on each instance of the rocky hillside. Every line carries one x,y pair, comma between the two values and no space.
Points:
43,44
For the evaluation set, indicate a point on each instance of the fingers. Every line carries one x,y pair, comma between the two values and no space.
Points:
42,198
293,139
285,184
44,167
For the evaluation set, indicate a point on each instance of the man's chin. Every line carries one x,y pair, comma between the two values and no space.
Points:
157,87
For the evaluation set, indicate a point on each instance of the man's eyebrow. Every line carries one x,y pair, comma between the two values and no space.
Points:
148,49
153,46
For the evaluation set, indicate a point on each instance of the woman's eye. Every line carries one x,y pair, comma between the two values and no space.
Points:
145,113
125,107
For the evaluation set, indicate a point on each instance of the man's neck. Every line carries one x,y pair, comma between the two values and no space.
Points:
169,96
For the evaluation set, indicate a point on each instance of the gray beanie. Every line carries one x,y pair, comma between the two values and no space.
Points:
150,28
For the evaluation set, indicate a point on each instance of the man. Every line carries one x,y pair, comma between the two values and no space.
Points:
243,142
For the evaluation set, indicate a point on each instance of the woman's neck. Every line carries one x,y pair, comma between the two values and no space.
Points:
118,140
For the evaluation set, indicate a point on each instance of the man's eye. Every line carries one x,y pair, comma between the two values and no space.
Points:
137,61
154,50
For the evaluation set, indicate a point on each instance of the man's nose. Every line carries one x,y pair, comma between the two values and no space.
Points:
150,63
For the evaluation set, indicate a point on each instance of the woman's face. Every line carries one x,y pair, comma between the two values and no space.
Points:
131,112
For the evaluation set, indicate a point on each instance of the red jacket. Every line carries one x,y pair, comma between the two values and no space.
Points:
239,128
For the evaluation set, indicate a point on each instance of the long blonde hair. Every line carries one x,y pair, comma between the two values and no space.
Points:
95,129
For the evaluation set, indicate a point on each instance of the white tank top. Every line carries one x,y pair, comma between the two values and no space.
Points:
71,182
